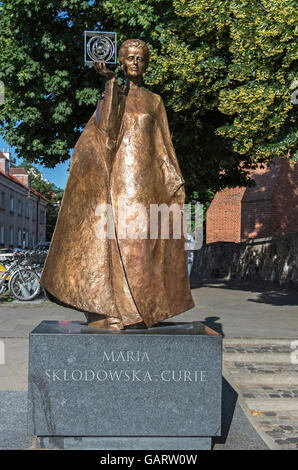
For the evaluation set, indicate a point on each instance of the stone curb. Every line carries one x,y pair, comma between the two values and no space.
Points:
257,342
271,358
264,379
270,404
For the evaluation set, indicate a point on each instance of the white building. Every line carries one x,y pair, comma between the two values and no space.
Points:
22,208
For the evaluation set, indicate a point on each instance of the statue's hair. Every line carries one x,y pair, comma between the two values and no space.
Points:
134,43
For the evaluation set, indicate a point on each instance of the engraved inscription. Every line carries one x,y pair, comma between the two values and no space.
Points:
125,356
108,358
127,375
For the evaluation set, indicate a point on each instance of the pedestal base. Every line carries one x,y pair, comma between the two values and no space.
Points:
158,388
124,443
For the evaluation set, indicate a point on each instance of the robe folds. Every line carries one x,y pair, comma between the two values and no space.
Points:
124,155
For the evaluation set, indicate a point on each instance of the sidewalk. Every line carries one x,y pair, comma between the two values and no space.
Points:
245,311
258,327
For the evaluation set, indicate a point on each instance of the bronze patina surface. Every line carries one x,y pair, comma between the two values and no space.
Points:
124,153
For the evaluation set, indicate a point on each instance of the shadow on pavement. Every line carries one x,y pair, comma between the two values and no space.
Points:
277,298
229,400
266,293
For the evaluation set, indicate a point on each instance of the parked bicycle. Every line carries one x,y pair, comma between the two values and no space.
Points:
22,275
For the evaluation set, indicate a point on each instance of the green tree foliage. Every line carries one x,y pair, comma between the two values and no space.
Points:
223,67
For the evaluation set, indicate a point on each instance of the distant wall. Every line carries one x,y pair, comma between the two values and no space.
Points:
223,221
268,209
273,260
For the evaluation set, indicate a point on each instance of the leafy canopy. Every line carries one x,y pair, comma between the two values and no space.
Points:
223,67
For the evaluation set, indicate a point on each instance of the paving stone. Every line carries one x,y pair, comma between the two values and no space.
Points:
292,439
281,441
280,426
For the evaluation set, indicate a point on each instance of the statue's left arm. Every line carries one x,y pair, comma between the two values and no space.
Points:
169,162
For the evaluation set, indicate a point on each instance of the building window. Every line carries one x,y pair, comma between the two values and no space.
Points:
26,239
11,204
34,213
27,211
2,200
2,234
33,240
20,207
11,235
19,238
42,217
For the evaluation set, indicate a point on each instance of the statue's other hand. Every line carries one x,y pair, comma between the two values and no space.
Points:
102,69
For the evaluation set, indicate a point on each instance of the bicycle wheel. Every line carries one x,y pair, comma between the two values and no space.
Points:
3,288
24,284
4,282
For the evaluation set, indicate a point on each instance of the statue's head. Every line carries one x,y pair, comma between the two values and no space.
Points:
134,57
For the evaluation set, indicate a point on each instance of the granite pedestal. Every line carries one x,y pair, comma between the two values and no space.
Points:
135,389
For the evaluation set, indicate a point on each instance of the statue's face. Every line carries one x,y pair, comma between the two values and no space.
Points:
134,62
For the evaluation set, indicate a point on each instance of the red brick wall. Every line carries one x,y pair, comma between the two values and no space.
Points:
285,200
256,204
223,221
268,209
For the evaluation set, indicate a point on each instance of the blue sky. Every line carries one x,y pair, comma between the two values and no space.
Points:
57,175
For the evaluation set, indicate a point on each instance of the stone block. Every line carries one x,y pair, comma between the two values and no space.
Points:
161,382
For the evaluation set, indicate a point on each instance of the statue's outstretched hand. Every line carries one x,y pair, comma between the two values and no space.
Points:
102,69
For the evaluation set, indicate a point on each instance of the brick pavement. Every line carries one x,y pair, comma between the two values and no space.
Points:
269,389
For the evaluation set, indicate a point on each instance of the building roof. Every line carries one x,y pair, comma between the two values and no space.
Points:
16,180
18,171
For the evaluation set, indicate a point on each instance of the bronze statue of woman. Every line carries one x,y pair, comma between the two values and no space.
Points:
125,153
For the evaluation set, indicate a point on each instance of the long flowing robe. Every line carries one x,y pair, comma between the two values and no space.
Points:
125,154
